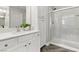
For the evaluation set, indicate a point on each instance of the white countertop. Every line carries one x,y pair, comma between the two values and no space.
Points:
8,35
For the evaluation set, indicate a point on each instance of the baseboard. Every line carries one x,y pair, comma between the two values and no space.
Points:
64,46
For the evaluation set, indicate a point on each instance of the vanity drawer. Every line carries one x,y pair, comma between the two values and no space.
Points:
4,45
25,38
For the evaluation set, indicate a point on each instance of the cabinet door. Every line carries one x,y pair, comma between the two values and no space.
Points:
24,43
43,12
35,43
43,24
8,44
23,47
24,38
43,32
28,43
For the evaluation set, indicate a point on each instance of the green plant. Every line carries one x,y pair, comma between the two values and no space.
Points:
24,25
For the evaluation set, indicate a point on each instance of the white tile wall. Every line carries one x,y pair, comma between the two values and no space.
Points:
68,31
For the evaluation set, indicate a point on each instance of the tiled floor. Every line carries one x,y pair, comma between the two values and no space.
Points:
54,48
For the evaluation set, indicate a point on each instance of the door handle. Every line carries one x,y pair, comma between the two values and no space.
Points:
29,43
25,45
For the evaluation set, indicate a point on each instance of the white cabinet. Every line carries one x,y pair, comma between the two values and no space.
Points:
43,32
43,24
43,12
25,38
30,43
35,43
24,43
23,47
7,44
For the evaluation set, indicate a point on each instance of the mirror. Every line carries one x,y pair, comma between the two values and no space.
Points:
2,19
2,16
17,15
12,16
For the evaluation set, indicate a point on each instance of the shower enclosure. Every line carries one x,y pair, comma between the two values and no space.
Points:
66,28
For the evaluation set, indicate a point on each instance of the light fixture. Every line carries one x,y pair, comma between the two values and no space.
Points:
2,10
1,16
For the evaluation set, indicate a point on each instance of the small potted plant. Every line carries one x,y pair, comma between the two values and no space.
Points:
25,26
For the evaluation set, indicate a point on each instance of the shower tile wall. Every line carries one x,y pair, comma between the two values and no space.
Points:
66,26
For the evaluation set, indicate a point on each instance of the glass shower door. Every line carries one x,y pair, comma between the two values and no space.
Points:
70,27
66,27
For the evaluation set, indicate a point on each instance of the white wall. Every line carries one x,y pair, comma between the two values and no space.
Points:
7,18
34,17
28,14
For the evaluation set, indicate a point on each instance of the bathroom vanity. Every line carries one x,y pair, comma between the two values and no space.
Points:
10,22
24,41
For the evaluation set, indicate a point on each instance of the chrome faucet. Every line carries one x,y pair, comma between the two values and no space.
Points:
18,28
2,26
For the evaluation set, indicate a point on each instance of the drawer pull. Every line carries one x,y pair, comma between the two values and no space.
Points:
25,45
6,45
29,43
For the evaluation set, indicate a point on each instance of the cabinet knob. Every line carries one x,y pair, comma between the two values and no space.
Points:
6,45
25,45
29,43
